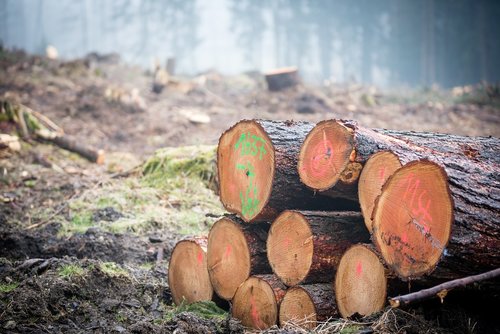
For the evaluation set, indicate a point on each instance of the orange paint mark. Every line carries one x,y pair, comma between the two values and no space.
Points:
229,249
359,269
200,257
417,197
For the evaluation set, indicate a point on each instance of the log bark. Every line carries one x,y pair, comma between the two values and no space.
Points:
306,305
187,272
72,145
236,250
306,247
282,78
360,282
474,185
257,168
257,300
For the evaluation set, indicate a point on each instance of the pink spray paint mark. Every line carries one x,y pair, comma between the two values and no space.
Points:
254,313
286,242
229,249
200,257
404,237
321,152
381,173
359,269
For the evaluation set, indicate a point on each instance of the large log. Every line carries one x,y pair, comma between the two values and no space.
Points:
236,250
257,300
474,185
360,282
257,168
306,305
306,246
187,272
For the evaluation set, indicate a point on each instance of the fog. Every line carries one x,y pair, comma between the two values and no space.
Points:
384,42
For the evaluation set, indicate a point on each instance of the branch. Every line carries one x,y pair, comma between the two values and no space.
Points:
442,289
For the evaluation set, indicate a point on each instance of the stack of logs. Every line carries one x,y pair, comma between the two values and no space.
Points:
326,218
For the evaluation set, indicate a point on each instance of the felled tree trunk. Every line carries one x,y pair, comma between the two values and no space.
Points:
360,282
257,168
257,300
306,305
236,250
471,204
282,78
187,272
306,247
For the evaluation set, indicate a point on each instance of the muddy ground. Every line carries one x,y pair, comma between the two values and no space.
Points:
85,248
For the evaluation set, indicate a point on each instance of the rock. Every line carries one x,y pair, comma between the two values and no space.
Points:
11,324
108,214
119,329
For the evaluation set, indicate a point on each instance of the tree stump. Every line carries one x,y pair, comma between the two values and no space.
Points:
306,247
375,173
282,78
187,272
257,168
360,282
306,305
236,250
257,300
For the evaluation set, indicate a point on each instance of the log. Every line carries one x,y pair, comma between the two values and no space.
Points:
441,290
67,143
257,169
236,251
257,300
282,78
306,247
375,173
360,282
307,305
474,183
187,272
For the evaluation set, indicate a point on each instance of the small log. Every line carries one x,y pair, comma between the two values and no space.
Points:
257,168
360,282
236,251
282,78
441,290
306,305
306,247
375,173
72,145
257,300
187,272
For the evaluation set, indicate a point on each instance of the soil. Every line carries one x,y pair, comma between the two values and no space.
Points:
106,104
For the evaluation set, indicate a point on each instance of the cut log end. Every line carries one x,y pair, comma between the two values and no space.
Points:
412,218
298,307
256,301
360,282
246,169
187,272
376,171
290,247
324,155
306,305
282,78
228,257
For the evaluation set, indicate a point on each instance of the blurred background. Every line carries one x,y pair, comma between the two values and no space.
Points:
387,42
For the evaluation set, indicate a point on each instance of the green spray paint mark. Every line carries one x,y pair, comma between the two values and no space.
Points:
251,145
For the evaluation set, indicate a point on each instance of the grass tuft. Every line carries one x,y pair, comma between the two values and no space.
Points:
113,270
69,271
203,309
8,287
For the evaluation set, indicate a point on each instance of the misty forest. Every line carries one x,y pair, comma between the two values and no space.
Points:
247,166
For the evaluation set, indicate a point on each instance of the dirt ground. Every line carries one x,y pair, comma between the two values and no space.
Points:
85,248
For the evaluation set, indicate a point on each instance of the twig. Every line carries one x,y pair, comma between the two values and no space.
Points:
442,289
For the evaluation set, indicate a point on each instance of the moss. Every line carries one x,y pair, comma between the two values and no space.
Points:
350,329
80,223
70,270
113,270
168,166
8,287
203,309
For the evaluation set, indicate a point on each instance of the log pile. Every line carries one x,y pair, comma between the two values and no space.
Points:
305,202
